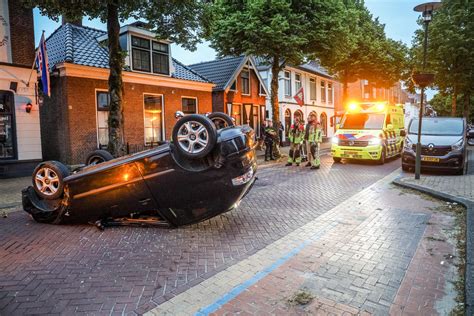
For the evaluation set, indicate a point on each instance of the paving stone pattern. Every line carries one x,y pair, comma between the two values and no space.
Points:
381,252
47,269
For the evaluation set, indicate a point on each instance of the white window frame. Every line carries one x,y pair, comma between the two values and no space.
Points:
241,82
163,127
189,97
312,79
298,81
330,93
130,51
97,114
287,80
324,92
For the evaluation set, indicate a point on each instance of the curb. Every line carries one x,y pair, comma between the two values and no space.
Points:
469,274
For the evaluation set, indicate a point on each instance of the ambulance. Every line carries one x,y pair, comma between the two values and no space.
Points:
369,131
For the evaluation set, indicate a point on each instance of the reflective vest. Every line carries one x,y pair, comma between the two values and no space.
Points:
296,134
315,135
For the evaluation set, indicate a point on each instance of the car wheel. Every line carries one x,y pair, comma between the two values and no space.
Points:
336,159
194,136
48,179
381,161
221,120
98,156
405,168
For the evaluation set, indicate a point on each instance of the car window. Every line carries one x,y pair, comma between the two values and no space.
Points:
362,121
446,127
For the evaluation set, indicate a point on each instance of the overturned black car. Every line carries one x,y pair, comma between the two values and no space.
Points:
204,172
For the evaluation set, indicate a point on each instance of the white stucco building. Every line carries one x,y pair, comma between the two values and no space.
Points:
320,94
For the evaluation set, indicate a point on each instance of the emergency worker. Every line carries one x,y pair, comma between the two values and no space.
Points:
311,121
315,139
269,137
295,136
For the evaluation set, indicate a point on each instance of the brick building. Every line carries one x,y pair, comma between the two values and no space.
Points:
239,91
367,91
20,141
74,119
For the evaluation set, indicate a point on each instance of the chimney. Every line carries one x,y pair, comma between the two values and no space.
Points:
65,20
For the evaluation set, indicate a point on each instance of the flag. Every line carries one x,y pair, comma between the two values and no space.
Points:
43,66
299,97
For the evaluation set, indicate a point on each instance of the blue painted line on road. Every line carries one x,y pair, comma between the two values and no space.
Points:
260,275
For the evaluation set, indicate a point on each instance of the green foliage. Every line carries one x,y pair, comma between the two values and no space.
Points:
279,31
450,54
369,54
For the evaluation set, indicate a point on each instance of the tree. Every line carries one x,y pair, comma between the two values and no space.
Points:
450,54
177,20
279,31
369,54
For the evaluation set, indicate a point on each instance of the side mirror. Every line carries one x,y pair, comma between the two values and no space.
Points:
403,133
470,134
390,127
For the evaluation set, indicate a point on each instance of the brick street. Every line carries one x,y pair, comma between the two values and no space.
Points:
49,269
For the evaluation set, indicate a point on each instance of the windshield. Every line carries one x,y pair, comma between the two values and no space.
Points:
362,121
447,127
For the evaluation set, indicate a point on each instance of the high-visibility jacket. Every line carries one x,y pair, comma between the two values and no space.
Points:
296,134
315,135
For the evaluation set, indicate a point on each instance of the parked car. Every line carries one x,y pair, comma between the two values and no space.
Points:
204,172
443,144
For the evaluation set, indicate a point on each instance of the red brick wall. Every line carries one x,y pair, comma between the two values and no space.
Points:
253,98
21,33
80,121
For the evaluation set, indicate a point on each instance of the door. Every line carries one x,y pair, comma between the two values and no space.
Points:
255,122
7,126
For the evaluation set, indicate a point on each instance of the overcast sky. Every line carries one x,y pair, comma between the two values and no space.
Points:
397,15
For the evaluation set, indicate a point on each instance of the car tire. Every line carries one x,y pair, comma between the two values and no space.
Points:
337,159
383,156
405,168
98,156
194,131
221,120
48,179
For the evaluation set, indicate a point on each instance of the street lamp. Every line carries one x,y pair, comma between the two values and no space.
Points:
423,79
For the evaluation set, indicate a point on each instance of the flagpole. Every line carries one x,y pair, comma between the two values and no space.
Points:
34,62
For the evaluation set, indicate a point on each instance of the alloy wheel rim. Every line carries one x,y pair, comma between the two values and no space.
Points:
193,137
47,181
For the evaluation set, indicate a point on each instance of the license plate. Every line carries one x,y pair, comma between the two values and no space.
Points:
351,153
432,159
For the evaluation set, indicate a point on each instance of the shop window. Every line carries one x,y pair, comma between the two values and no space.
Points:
7,141
153,108
103,108
189,105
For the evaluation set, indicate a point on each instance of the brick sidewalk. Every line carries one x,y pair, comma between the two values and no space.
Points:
383,251
458,189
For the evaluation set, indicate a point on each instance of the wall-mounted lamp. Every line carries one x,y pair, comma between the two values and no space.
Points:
28,107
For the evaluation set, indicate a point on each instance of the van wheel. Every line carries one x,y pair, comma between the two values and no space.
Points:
405,168
336,159
48,179
381,161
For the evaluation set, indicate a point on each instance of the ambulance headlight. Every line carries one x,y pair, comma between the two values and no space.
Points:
335,140
458,146
375,142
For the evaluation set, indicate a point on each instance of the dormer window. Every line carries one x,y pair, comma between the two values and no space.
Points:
149,55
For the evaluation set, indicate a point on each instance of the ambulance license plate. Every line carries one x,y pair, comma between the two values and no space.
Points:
431,159
351,153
